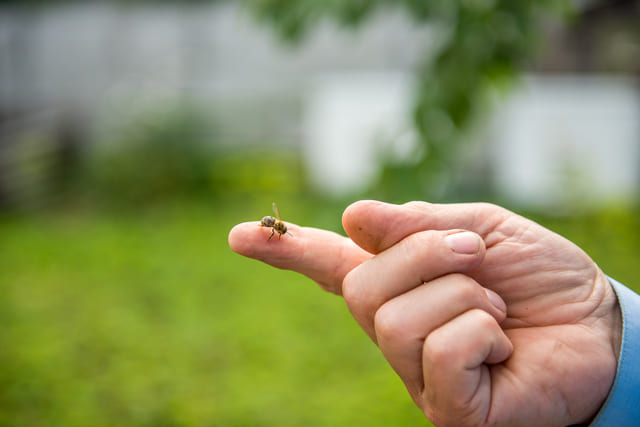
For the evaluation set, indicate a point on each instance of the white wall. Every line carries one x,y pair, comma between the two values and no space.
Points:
555,143
352,121
569,140
84,52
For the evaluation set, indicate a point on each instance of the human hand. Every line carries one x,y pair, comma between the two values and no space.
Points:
550,361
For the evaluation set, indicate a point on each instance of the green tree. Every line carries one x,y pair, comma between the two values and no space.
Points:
487,43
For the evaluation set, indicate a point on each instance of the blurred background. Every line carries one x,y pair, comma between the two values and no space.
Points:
135,134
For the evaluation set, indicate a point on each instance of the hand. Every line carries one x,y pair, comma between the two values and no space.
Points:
528,334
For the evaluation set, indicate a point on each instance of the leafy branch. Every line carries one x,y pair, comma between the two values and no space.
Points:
488,43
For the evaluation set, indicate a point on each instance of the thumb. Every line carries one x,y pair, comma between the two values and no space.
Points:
376,226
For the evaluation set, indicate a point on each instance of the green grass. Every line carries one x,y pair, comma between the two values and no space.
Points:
149,319
146,318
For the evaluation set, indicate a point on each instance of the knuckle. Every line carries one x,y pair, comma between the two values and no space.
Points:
415,246
354,293
437,348
351,287
466,288
490,207
493,209
421,238
389,322
483,320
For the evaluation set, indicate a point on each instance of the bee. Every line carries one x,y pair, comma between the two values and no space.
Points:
275,223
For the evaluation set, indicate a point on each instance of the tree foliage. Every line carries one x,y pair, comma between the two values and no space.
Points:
488,43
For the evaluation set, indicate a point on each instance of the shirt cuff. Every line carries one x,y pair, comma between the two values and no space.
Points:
621,407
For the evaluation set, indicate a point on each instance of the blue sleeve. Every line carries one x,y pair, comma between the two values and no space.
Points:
622,407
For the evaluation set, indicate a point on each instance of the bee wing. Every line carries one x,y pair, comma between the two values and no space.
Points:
275,209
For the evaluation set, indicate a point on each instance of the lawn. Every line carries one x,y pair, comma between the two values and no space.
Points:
146,318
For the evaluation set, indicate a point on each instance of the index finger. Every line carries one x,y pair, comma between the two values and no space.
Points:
323,256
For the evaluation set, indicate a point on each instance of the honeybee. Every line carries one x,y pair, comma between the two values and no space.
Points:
275,223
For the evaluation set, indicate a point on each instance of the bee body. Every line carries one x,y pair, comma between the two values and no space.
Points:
277,226
268,221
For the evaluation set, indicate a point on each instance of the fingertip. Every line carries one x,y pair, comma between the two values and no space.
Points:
465,242
468,248
366,222
282,251
322,255
238,237
498,303
356,211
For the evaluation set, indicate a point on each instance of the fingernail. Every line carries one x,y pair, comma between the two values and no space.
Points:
464,242
496,300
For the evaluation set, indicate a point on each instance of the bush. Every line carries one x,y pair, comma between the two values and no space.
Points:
160,156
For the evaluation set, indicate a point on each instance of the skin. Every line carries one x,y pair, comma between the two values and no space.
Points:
488,318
